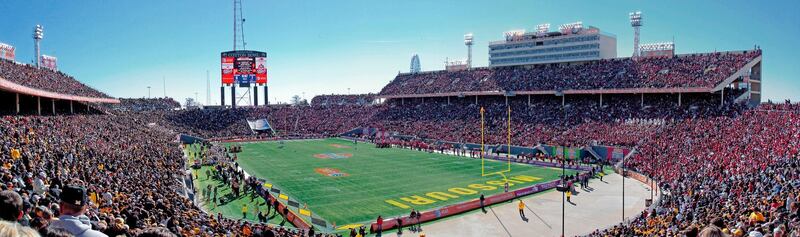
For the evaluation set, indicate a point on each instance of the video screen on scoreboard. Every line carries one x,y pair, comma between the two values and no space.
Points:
244,67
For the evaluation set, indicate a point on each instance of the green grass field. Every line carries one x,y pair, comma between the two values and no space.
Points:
360,182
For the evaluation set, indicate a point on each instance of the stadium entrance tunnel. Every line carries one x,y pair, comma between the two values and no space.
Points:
30,105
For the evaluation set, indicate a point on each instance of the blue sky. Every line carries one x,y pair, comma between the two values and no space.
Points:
318,46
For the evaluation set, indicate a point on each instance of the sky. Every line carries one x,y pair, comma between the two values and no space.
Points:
358,46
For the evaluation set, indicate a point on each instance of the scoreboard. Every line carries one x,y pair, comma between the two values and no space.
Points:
244,67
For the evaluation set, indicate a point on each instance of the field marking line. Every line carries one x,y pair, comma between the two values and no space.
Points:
501,222
537,215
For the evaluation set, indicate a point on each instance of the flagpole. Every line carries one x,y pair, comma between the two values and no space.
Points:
508,155
482,162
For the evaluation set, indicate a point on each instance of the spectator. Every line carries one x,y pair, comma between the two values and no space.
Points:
73,207
10,206
13,229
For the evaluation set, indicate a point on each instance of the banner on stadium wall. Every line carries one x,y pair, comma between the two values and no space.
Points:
259,125
558,151
49,62
610,153
568,152
7,52
615,153
574,153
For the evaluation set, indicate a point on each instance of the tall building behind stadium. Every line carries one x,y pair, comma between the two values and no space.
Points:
572,43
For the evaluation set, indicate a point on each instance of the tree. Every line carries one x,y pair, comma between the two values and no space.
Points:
190,103
296,100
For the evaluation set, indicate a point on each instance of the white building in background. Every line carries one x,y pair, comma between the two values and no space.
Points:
572,43
415,67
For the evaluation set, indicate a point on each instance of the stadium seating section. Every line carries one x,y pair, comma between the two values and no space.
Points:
45,79
701,70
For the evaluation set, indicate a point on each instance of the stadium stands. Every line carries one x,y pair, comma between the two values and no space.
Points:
682,71
131,173
145,104
357,99
738,174
44,79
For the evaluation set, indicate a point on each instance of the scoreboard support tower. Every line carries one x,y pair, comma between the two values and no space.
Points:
255,96
233,96
222,96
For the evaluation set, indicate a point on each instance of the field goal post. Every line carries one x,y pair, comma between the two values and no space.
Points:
508,148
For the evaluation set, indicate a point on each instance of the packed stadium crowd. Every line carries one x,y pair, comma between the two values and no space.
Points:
734,175
696,70
45,79
333,99
146,104
111,174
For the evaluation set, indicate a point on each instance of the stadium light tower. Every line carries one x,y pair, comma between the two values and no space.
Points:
38,35
468,43
636,22
238,26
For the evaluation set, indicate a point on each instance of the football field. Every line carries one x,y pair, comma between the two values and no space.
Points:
347,183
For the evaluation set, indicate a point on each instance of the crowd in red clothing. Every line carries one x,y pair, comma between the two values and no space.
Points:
542,120
45,79
146,104
740,175
355,99
695,70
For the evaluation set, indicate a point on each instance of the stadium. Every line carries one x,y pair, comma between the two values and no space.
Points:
557,135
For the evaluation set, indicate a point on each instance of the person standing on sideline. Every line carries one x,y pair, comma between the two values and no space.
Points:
419,225
215,197
521,209
482,206
411,219
399,226
244,211
380,225
569,195
505,186
255,210
268,203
